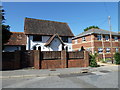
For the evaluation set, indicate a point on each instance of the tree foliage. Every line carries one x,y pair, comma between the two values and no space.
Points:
5,28
90,27
117,58
93,62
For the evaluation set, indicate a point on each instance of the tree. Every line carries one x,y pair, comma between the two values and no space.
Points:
5,29
90,27
117,58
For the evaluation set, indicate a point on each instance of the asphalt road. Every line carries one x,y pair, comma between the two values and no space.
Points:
96,79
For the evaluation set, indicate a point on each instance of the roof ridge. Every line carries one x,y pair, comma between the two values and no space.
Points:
47,20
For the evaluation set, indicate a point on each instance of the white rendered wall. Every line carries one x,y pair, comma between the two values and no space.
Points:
43,42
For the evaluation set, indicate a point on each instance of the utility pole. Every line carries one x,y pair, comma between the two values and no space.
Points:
103,47
111,45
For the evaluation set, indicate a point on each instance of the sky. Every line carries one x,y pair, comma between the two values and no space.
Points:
78,15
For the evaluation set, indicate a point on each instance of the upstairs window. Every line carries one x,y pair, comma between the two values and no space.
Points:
116,38
117,49
106,37
37,38
83,39
76,41
100,50
99,37
107,50
65,39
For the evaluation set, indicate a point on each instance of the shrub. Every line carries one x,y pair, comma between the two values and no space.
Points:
117,58
93,62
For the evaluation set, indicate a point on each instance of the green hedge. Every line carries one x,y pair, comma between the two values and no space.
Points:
117,58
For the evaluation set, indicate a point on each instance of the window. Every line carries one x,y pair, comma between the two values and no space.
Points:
65,39
107,50
99,37
100,50
116,38
83,39
106,37
76,41
117,49
37,38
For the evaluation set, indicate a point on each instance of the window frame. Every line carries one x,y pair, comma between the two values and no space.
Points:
107,38
100,50
99,37
116,38
83,39
108,50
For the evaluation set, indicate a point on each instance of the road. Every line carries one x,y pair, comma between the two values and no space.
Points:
96,79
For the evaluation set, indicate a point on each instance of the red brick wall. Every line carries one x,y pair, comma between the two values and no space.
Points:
76,63
50,64
15,61
64,62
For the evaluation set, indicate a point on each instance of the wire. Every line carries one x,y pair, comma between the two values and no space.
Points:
106,9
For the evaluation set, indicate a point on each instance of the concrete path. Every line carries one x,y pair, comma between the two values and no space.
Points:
54,72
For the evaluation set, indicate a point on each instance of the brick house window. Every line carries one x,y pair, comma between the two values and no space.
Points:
106,37
117,49
37,38
83,39
107,50
99,37
65,39
100,50
76,41
115,38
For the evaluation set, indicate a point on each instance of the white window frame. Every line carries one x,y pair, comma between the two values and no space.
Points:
107,38
117,49
100,50
99,37
83,39
107,50
115,38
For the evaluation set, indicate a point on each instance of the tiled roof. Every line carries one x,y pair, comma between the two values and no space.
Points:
17,38
96,31
46,27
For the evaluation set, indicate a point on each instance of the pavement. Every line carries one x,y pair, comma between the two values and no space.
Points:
55,72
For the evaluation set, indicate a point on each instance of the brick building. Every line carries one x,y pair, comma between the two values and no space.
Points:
97,40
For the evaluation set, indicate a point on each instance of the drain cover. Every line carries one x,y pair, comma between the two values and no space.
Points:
104,71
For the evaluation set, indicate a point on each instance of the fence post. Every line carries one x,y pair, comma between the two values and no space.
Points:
17,58
86,58
63,59
36,58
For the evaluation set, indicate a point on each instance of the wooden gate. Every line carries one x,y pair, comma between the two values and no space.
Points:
26,59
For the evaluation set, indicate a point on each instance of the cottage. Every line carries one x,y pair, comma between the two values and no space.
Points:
97,40
17,41
42,35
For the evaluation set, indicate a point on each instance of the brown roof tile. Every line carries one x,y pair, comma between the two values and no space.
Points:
46,27
17,38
